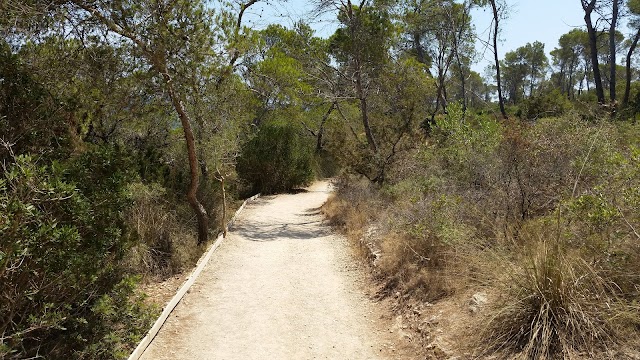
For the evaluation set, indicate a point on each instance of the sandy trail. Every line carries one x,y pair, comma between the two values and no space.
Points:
282,286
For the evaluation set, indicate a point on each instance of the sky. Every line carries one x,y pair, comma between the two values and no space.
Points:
527,21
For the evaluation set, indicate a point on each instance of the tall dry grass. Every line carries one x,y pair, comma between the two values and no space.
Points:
165,245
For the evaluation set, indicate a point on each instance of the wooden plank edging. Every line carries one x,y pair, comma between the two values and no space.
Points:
146,341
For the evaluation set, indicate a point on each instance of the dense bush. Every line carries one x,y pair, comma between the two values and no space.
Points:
548,103
62,239
30,120
276,159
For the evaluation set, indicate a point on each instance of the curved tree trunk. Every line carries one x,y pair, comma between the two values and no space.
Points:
192,194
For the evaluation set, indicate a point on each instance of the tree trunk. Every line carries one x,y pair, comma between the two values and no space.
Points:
593,45
463,83
192,194
612,50
359,88
225,229
627,88
320,135
420,54
496,20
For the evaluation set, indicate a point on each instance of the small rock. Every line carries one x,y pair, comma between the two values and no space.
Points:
479,299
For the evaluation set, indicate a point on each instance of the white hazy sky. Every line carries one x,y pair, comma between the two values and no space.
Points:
528,21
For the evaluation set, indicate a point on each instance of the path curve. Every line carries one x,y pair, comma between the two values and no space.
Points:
282,286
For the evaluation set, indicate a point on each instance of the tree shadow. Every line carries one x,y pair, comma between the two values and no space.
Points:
303,229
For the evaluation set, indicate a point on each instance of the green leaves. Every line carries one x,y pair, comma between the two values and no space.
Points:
276,159
59,246
365,35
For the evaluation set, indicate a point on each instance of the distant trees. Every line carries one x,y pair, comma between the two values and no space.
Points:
571,60
441,36
524,69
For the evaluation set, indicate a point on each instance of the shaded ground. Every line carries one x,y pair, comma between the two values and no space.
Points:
282,286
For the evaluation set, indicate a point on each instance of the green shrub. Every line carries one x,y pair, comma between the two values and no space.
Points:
62,238
547,104
276,159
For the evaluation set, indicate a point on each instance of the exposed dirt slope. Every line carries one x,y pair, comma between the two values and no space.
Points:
282,286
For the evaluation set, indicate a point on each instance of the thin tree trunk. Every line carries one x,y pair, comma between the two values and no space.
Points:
463,83
496,20
225,229
458,38
321,130
612,50
420,54
593,45
359,87
627,88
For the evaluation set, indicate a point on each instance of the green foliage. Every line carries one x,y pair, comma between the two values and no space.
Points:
543,214
30,119
365,34
464,139
60,247
276,159
544,104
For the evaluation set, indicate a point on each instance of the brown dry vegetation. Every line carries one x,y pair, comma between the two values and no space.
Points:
542,217
166,241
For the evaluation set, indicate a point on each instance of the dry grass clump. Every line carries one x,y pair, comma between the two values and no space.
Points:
165,246
554,303
415,266
352,209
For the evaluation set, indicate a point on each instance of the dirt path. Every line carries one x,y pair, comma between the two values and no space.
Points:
282,286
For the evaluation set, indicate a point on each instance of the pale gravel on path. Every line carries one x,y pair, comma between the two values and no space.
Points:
282,286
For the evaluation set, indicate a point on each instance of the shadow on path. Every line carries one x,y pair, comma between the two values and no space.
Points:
274,229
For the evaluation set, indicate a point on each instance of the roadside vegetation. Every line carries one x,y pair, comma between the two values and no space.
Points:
128,130
541,216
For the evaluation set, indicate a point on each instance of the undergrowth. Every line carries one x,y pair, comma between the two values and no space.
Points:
541,215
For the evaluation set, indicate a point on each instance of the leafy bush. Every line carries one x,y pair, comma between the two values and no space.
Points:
61,242
30,119
549,103
276,159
